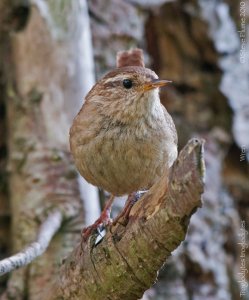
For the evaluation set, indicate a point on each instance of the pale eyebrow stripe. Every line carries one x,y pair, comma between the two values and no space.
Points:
116,78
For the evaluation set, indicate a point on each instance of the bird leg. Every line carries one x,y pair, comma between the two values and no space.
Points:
103,219
123,217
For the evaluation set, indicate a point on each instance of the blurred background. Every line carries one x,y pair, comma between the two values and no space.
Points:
52,52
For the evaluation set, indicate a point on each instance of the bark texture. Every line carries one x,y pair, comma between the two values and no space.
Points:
124,264
196,45
41,73
4,203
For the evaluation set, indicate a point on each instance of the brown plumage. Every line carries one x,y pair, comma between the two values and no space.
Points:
133,57
123,139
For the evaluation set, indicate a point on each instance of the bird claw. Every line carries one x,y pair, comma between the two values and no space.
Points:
104,220
123,217
100,224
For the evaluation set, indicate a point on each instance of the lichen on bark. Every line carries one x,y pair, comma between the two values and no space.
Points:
123,265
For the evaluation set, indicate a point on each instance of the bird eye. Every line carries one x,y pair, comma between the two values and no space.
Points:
127,83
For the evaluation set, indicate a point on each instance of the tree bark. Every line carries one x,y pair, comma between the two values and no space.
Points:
123,265
195,44
45,87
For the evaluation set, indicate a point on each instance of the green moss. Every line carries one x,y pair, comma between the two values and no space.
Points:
11,92
60,9
20,163
56,156
35,96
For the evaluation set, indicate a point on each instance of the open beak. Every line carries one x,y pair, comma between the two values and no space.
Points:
156,83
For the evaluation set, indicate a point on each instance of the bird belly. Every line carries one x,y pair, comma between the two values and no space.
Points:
125,164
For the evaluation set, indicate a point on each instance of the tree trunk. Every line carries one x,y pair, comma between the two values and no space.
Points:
45,88
123,265
46,69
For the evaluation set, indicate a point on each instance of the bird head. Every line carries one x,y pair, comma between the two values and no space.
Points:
127,92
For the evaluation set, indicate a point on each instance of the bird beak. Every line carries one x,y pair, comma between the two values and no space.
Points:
156,83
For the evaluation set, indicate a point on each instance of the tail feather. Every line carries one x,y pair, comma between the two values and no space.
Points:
133,57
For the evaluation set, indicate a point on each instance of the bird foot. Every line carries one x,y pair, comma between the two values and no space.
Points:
104,220
123,217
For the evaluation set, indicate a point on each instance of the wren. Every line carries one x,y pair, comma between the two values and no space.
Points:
123,139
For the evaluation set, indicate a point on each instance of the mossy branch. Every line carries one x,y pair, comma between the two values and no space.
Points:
125,263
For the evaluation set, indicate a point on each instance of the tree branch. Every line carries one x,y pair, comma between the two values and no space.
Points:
47,230
125,263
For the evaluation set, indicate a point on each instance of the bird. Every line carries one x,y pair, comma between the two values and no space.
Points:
123,139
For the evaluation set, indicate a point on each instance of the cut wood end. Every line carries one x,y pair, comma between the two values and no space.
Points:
184,185
194,150
133,57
